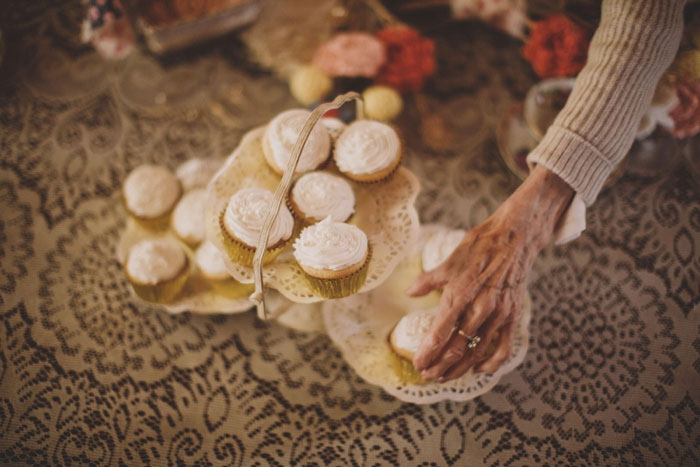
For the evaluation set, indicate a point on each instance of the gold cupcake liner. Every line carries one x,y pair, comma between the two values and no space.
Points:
390,174
164,292
154,224
230,288
300,222
243,254
342,286
404,369
157,224
381,180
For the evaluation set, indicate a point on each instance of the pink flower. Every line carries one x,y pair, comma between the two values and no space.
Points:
686,115
351,54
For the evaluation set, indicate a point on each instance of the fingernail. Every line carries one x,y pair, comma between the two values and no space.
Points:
441,379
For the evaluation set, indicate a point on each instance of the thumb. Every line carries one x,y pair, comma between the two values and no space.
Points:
425,283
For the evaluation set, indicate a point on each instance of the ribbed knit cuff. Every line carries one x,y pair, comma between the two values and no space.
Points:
575,160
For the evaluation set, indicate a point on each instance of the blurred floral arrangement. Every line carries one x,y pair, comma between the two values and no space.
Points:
108,28
676,103
397,59
556,47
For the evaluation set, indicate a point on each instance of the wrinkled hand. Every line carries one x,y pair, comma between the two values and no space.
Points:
484,281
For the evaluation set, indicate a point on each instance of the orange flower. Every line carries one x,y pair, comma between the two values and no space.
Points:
556,47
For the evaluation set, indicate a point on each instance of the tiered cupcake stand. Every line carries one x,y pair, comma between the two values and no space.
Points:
359,324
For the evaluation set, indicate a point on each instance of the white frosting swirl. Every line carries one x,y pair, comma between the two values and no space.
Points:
440,246
331,246
319,195
366,147
151,262
188,217
196,173
150,191
282,134
411,329
245,216
335,126
211,262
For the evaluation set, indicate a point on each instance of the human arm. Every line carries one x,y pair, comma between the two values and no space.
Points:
484,279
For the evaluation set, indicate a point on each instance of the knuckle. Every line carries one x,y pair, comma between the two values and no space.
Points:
454,354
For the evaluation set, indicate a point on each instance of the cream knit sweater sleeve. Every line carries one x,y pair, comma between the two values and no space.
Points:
634,44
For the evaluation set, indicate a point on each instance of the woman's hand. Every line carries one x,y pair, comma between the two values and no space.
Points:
484,281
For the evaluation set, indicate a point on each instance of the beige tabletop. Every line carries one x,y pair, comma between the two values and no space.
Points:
90,375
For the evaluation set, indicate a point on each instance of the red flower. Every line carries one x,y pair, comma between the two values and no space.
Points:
686,115
410,59
556,47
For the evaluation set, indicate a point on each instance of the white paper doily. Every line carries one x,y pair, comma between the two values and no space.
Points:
384,211
360,325
305,317
196,296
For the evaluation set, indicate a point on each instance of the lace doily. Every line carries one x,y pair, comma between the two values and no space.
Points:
360,325
305,317
197,296
384,211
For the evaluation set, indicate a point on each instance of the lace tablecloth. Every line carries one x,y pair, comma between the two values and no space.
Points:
89,375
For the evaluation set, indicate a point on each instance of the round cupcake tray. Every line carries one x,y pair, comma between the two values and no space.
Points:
384,211
199,297
360,326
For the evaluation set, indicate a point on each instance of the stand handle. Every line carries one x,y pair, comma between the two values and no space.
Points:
258,297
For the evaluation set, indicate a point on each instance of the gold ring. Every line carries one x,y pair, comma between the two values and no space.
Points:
472,341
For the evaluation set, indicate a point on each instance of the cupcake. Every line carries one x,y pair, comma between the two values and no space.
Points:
368,151
334,126
318,195
440,246
150,193
281,135
404,341
211,266
334,257
157,269
196,172
242,221
188,217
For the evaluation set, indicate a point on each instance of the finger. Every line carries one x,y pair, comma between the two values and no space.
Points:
427,282
453,352
481,309
451,305
459,369
502,352
489,331
491,328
